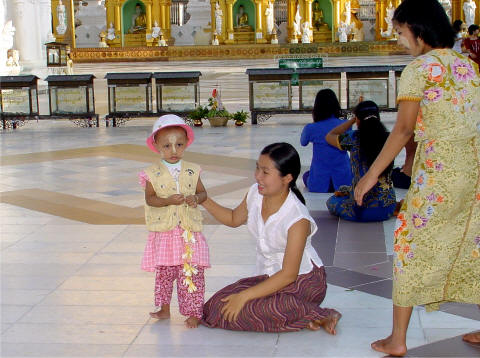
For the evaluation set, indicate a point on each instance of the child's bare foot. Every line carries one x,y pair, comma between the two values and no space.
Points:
472,337
164,313
192,322
329,324
390,347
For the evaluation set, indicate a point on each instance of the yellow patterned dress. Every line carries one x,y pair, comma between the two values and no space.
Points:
437,236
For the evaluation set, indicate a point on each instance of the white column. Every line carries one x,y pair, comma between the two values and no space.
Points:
45,24
28,35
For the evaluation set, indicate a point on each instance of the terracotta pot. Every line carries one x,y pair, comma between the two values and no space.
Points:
197,122
218,121
239,123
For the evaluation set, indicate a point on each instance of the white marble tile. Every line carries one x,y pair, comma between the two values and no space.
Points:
100,298
48,350
438,319
115,283
70,333
200,350
12,313
81,315
23,297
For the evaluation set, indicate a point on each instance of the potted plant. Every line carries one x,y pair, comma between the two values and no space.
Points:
240,118
217,115
197,115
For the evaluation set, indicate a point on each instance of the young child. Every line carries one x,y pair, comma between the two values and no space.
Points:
472,43
176,249
364,145
436,252
330,166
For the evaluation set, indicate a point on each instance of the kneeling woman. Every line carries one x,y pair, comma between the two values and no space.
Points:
364,146
291,282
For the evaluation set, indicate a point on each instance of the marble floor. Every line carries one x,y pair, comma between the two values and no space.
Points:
72,237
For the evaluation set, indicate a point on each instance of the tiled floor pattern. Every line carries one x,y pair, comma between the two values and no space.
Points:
72,241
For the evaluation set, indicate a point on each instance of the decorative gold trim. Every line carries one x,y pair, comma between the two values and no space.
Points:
409,98
250,51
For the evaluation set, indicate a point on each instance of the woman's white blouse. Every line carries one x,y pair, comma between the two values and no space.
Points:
272,235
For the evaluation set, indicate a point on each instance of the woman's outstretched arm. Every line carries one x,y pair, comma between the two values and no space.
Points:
400,135
229,217
332,136
297,238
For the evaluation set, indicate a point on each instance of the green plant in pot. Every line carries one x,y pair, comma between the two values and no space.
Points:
240,118
217,115
197,115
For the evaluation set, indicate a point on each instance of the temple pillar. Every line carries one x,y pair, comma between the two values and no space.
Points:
336,17
291,10
229,18
308,16
259,33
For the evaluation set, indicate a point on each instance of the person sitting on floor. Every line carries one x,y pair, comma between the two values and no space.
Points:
364,145
330,166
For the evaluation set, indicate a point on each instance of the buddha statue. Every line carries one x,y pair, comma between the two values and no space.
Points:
242,20
139,20
317,13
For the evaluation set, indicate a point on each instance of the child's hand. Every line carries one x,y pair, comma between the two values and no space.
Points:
192,200
176,199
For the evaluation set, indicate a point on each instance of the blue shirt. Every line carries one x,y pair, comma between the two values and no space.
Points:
329,164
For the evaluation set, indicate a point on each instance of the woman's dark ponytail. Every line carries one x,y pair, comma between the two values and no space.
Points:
287,161
372,133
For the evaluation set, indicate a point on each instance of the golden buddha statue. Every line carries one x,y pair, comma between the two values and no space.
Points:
242,20
139,20
317,15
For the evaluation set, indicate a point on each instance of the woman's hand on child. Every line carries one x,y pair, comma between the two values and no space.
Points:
192,200
233,306
176,199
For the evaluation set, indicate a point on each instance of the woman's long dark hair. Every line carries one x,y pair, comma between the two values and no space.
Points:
326,105
287,161
427,20
372,133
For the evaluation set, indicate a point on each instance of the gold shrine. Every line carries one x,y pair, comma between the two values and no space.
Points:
147,23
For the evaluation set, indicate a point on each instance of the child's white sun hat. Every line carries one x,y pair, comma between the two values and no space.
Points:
169,120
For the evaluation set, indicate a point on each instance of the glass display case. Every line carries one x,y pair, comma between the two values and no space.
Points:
18,99
129,95
177,92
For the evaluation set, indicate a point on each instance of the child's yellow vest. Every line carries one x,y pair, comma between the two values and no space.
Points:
168,217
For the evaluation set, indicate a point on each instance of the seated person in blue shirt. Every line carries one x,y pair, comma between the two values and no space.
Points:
330,166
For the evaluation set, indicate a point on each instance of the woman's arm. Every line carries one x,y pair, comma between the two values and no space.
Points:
152,199
228,217
332,136
400,135
297,238
305,137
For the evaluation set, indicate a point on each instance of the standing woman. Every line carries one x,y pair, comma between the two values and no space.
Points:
437,237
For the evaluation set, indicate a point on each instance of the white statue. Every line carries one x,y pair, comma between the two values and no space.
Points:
218,19
215,39
469,8
62,19
447,5
348,12
389,21
357,32
156,30
296,24
13,63
111,33
343,31
306,33
270,20
162,42
6,43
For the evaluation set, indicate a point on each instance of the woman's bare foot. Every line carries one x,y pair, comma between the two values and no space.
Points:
164,313
390,347
472,337
329,324
192,322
